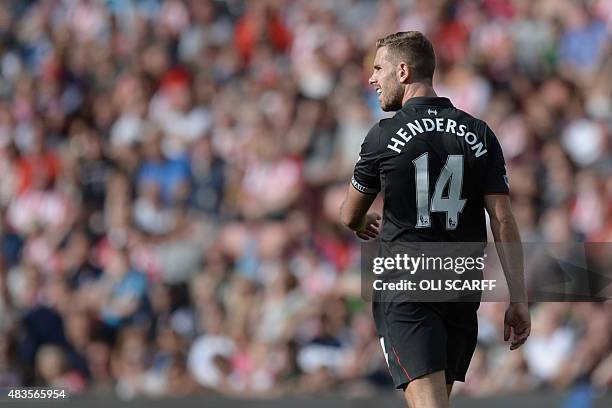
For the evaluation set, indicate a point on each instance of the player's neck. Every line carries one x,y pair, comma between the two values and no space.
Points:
417,89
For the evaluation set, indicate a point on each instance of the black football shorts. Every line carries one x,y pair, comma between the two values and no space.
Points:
422,338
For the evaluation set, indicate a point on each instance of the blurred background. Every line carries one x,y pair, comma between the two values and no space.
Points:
172,173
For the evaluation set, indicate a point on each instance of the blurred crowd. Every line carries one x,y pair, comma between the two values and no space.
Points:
172,173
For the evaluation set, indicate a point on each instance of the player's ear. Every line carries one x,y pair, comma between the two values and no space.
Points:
403,73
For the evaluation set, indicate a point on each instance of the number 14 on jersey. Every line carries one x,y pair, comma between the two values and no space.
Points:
452,204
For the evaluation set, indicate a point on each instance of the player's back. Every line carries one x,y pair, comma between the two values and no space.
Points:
434,163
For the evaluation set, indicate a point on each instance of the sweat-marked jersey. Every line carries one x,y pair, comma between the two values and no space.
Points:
434,164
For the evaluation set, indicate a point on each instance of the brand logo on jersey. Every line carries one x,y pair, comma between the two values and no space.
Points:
432,112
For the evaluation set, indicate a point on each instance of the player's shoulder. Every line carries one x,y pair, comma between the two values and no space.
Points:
378,132
464,116
379,127
478,125
385,128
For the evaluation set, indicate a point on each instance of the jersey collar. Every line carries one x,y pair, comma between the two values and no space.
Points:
429,101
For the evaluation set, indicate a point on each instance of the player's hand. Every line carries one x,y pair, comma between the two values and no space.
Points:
518,323
370,228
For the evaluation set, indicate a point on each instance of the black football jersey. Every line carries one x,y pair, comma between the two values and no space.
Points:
434,163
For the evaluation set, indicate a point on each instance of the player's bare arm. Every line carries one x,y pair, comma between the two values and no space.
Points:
354,214
517,323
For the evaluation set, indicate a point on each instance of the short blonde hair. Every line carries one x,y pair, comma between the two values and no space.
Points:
413,48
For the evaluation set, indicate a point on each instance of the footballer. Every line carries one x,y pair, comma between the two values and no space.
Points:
439,169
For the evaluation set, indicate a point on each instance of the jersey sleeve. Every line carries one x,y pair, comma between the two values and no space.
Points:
495,179
366,178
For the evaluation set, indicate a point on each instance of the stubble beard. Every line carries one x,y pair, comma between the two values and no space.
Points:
393,101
